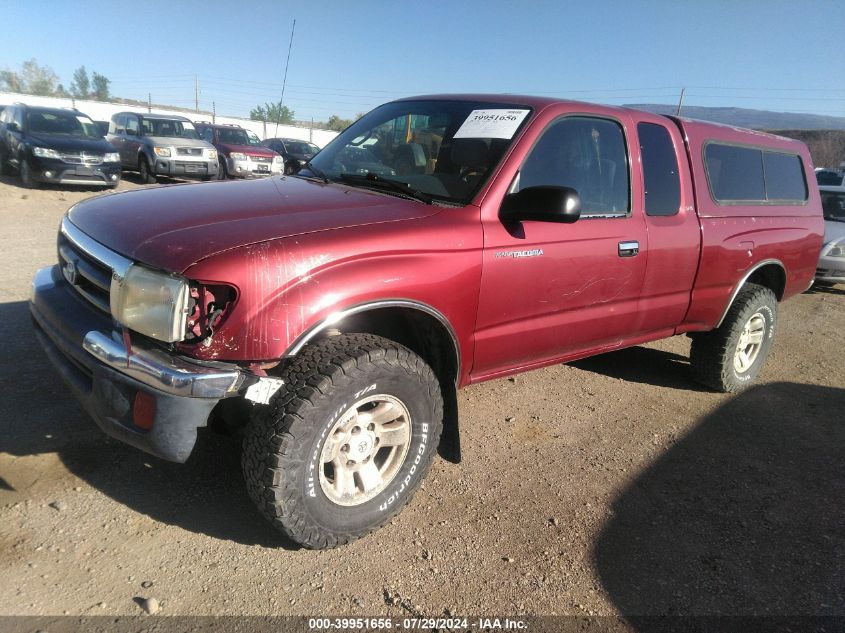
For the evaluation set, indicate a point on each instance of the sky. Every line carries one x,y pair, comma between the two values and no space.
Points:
348,57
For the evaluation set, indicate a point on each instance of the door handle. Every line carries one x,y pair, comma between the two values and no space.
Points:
628,249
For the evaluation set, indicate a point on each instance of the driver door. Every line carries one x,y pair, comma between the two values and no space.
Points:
552,290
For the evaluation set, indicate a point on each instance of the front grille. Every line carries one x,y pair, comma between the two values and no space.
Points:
189,151
192,167
82,158
261,159
92,278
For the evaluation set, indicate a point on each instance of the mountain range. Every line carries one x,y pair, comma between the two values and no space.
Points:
749,118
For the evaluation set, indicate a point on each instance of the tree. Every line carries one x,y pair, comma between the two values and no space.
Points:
80,87
38,80
271,112
10,81
337,124
61,91
101,86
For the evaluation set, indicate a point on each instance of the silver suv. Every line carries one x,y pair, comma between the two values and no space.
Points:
161,144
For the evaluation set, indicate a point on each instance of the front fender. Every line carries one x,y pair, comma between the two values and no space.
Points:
288,287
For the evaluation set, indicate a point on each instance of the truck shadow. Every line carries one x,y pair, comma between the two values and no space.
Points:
836,291
743,516
644,365
205,495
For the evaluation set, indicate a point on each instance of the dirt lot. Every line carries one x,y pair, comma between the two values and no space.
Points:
619,487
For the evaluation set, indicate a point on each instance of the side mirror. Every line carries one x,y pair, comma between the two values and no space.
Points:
12,126
543,203
131,132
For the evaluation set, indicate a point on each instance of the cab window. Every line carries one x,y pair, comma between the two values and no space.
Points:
586,154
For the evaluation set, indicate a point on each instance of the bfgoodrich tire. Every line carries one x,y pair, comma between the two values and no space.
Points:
346,442
730,357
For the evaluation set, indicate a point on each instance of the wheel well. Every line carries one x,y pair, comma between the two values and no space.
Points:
772,276
430,339
418,331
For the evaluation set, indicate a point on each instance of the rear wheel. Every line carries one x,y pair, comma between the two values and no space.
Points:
345,443
146,174
730,357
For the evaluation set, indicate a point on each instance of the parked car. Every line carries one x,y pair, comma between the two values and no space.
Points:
334,317
238,158
55,145
829,177
295,152
161,145
831,267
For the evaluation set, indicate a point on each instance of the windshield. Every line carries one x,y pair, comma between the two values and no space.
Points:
446,149
295,147
67,123
233,136
169,128
833,205
253,139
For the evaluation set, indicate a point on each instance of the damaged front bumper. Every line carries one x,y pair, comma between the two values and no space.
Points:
144,395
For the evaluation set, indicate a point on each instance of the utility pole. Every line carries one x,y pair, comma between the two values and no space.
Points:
214,112
680,102
149,102
197,93
284,81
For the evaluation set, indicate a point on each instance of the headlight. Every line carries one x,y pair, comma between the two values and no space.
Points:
237,156
162,151
837,250
212,154
44,152
278,160
152,303
111,157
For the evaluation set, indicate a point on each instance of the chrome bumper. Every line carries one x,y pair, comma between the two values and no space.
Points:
159,370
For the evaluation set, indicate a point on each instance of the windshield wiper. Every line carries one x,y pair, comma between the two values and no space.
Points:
317,172
374,180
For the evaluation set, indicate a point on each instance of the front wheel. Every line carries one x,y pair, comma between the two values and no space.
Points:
730,357
221,169
147,177
26,175
347,440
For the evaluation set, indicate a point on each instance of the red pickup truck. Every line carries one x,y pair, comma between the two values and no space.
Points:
437,242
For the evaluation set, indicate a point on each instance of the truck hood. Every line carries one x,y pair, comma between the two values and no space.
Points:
172,227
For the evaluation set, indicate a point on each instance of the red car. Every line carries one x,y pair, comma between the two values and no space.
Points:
237,157
438,242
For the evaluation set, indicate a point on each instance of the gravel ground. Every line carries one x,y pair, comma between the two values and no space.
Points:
614,485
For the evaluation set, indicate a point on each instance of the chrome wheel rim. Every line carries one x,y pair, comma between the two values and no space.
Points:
365,449
750,342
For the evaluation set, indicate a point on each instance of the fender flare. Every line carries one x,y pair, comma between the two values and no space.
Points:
742,281
338,316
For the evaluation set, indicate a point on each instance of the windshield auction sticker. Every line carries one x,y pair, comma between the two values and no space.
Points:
491,124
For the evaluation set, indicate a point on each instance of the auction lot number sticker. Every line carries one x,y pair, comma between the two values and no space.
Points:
499,123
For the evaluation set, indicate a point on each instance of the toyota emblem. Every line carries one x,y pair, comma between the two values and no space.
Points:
70,273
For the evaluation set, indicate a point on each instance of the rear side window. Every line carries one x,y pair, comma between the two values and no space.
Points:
749,174
784,177
660,170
